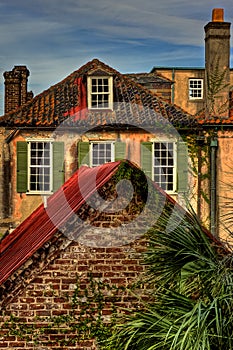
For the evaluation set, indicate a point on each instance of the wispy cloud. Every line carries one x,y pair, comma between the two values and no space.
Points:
55,37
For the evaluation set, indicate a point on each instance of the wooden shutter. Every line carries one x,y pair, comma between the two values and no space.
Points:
120,148
182,167
22,166
83,153
146,158
58,165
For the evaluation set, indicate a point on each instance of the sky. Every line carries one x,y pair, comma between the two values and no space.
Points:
53,38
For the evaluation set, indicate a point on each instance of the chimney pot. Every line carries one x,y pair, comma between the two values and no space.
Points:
218,15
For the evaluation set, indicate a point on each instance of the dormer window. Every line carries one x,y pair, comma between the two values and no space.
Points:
100,92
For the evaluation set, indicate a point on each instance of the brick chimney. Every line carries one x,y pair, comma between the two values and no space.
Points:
217,50
16,93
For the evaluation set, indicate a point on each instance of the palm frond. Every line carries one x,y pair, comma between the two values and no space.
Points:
192,299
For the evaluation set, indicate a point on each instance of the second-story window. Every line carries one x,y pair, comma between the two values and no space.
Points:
166,163
40,166
164,171
195,89
102,152
100,92
94,153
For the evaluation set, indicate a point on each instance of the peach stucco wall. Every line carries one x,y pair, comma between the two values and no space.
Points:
24,204
225,183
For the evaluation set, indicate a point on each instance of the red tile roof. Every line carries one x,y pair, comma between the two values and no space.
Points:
68,97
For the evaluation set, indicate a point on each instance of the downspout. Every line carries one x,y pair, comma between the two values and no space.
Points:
173,86
213,186
200,144
7,193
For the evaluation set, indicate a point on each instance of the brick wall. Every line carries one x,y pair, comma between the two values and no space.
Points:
43,287
46,295
16,93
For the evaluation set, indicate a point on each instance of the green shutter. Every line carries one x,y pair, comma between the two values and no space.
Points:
22,166
182,167
120,148
58,165
83,153
146,158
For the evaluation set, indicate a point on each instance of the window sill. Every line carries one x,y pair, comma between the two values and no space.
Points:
91,109
196,100
39,193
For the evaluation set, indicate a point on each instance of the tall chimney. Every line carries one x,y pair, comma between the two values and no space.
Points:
16,88
217,56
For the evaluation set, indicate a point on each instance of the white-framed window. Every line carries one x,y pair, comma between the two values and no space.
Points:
195,89
101,153
93,153
40,166
164,165
100,92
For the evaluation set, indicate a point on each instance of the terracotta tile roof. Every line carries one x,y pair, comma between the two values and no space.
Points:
145,78
59,102
210,120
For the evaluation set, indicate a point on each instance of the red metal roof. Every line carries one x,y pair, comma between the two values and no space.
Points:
41,225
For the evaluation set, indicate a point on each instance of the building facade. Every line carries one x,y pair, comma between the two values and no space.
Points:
171,122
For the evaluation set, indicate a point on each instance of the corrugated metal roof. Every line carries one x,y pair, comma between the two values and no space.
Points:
42,224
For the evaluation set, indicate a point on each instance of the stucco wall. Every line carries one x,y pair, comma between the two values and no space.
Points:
180,87
23,204
225,184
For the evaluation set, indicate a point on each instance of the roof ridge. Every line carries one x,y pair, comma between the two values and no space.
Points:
32,233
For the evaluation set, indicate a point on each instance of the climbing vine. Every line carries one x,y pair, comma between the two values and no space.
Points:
85,321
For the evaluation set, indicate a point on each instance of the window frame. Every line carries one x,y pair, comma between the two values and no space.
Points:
196,89
112,143
30,166
174,166
99,93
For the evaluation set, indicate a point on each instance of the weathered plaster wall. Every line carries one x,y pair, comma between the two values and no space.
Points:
24,204
225,184
181,87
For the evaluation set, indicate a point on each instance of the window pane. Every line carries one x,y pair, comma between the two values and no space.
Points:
164,165
40,166
100,95
196,88
101,153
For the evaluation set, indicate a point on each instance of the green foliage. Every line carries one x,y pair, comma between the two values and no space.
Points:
191,276
135,175
216,84
84,321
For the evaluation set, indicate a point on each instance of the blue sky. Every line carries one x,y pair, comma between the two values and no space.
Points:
55,37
